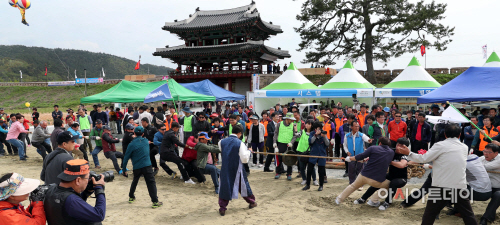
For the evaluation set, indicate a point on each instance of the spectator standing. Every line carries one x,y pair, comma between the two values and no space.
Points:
397,129
119,118
57,114
112,120
35,115
86,127
100,115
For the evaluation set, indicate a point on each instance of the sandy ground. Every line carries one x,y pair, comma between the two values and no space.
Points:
279,201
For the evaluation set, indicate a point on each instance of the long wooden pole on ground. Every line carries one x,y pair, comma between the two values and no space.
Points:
307,156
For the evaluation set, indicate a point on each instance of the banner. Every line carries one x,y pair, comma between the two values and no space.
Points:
61,83
485,51
89,80
255,82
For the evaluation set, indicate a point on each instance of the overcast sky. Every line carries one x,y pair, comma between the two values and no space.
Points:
131,28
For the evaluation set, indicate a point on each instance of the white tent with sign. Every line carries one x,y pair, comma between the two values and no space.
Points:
413,82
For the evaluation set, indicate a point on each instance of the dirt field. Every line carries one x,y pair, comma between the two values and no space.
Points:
279,201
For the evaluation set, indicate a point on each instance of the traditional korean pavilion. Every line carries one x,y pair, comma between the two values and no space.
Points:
226,46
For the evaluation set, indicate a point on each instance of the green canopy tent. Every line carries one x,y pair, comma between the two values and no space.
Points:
128,92
177,93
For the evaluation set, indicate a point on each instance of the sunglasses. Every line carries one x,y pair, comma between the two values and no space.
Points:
397,116
201,117
163,129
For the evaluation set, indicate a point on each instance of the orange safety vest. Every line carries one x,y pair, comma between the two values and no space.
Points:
168,124
338,123
265,126
361,119
492,133
328,127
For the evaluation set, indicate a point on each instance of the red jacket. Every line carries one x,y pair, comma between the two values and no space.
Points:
18,215
108,142
189,154
396,130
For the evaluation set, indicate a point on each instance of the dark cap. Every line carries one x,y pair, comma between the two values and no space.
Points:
74,169
129,127
65,137
98,121
106,127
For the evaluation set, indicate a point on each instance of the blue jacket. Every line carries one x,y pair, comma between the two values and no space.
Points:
75,133
469,137
138,152
359,143
318,148
426,132
157,138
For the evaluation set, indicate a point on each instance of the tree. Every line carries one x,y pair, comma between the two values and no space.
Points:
374,29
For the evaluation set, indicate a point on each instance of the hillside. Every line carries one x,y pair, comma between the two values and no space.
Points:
14,98
32,62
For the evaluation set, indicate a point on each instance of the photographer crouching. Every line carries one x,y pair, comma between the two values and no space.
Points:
15,189
66,203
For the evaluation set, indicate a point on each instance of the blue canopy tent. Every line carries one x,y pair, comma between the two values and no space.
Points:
206,87
475,84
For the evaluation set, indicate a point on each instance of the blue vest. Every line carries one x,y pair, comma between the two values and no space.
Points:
359,143
230,154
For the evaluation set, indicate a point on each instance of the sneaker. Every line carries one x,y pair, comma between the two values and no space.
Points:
360,189
337,201
156,171
174,175
345,175
307,187
23,159
316,183
277,176
252,205
260,165
131,200
320,188
98,167
253,164
384,206
359,201
298,175
181,177
374,204
157,204
289,177
222,213
189,182
303,182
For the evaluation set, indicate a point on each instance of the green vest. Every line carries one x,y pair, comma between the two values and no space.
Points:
84,123
299,124
231,132
303,142
188,127
285,133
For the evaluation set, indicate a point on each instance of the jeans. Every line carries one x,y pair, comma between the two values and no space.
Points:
119,126
214,172
147,172
113,155
260,148
96,151
42,148
302,169
22,137
20,147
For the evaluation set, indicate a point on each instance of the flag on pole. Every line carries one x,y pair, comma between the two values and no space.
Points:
103,75
138,65
485,51
45,71
422,50
21,72
75,75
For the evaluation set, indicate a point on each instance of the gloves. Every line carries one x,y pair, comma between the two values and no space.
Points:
348,159
426,166
275,145
290,145
98,138
86,137
276,150
332,141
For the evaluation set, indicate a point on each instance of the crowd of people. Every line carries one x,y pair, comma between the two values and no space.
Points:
375,143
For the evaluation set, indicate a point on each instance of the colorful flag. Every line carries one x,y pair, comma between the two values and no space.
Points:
422,50
45,71
485,51
138,65
103,75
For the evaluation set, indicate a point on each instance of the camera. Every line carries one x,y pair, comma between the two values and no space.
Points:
108,176
39,193
323,132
